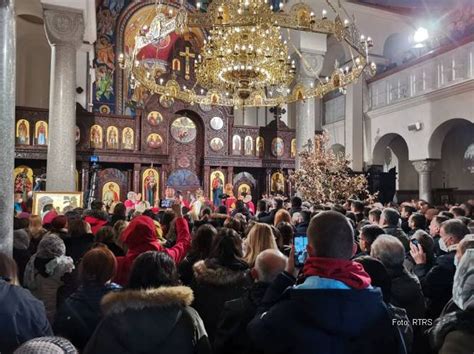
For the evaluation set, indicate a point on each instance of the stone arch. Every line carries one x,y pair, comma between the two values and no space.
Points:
439,134
391,150
395,46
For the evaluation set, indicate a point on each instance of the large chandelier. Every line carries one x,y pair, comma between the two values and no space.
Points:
245,61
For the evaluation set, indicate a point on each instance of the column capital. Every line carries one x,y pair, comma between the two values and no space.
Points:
63,26
424,166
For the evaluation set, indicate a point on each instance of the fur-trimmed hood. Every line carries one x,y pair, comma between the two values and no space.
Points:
218,275
118,302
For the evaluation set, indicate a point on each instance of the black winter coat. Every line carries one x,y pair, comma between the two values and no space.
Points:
406,293
22,317
437,283
150,321
80,314
323,321
214,285
231,335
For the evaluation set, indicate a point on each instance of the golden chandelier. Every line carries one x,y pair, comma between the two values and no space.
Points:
245,61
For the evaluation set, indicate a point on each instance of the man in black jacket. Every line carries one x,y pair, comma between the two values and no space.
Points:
334,310
231,336
437,282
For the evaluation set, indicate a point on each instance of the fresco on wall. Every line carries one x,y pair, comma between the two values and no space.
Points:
108,13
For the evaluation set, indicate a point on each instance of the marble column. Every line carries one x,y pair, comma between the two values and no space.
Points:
354,125
65,32
306,111
7,122
424,169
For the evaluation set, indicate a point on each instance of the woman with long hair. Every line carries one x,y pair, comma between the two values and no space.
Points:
260,238
152,315
220,278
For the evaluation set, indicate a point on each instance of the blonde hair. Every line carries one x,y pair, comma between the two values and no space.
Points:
35,227
282,216
260,238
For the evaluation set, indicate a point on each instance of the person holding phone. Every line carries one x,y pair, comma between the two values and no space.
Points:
332,307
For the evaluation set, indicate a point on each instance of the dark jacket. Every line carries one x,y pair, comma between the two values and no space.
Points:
185,269
231,335
213,285
77,246
398,233
326,321
150,321
80,314
453,333
22,317
437,283
269,218
301,228
406,293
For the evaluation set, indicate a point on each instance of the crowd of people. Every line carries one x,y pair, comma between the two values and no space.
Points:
376,279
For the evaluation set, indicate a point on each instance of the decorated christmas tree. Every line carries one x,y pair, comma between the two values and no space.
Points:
325,177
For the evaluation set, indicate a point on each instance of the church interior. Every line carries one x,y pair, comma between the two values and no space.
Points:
195,136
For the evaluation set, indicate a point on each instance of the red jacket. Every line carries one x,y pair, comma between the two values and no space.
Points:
140,236
96,223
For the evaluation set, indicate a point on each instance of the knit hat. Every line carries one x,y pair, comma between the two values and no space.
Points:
49,217
59,222
21,239
51,246
463,286
47,345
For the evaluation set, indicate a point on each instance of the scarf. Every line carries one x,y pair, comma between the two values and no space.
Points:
350,273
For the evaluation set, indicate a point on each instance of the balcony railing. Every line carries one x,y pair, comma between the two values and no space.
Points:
428,74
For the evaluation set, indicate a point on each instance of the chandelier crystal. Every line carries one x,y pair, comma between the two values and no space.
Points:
245,61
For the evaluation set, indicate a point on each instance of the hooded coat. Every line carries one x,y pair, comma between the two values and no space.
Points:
22,317
96,218
150,321
213,285
336,321
140,236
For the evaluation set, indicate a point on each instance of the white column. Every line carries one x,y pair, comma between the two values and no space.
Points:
354,125
307,110
65,32
7,122
424,169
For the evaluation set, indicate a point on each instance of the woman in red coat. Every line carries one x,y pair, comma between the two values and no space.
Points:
140,236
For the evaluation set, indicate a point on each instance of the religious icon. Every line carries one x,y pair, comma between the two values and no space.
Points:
104,109
23,132
112,138
293,148
154,118
184,162
176,65
23,179
150,181
248,144
183,130
217,123
278,147
78,135
260,146
205,107
59,200
216,144
96,137
187,59
214,99
217,187
303,17
236,145
41,133
110,193
243,190
127,138
166,101
154,141
278,183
